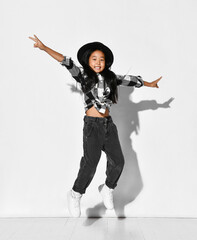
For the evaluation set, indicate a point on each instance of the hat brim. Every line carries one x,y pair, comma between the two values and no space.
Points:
109,58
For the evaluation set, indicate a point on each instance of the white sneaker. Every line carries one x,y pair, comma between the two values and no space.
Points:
107,196
74,203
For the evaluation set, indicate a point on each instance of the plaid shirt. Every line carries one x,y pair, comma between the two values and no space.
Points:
98,95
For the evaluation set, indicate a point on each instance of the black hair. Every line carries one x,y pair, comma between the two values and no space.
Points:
90,77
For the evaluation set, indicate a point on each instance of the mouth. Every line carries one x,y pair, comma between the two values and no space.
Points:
97,67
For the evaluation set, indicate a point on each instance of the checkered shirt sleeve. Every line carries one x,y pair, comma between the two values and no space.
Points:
130,80
75,71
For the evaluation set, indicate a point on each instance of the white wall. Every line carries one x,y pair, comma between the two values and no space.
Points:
41,134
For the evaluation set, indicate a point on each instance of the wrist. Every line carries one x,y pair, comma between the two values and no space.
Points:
147,84
44,48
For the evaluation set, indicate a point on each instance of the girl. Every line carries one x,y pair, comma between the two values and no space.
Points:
99,85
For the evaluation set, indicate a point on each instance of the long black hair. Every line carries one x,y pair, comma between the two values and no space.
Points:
91,78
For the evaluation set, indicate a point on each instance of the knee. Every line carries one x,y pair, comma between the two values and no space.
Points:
88,166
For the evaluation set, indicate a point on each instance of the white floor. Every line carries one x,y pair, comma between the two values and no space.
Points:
98,228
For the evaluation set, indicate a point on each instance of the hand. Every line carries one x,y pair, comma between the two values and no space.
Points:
154,83
37,43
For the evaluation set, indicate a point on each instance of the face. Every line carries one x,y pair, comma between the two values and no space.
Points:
97,61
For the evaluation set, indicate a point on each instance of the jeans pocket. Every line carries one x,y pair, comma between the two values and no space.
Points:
87,129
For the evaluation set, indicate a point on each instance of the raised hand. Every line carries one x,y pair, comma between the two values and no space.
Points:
38,43
152,84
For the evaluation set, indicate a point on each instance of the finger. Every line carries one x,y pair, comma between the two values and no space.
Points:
158,79
32,39
36,37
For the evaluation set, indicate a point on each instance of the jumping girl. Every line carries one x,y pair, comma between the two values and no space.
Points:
99,86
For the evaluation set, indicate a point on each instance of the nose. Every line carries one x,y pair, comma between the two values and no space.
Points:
98,62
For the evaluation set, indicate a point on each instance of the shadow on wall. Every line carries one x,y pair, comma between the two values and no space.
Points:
125,116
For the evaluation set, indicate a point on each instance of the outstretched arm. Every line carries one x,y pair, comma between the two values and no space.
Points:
64,60
38,44
137,81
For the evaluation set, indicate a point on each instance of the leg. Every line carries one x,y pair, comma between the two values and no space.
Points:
115,158
90,159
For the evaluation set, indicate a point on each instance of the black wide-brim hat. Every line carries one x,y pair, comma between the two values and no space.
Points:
109,58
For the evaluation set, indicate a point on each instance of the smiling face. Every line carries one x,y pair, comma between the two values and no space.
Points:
97,61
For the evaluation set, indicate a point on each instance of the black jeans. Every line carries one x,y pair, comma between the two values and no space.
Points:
99,134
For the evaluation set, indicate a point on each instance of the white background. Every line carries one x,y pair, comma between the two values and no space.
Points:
41,110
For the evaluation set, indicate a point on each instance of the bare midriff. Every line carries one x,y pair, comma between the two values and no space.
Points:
93,112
